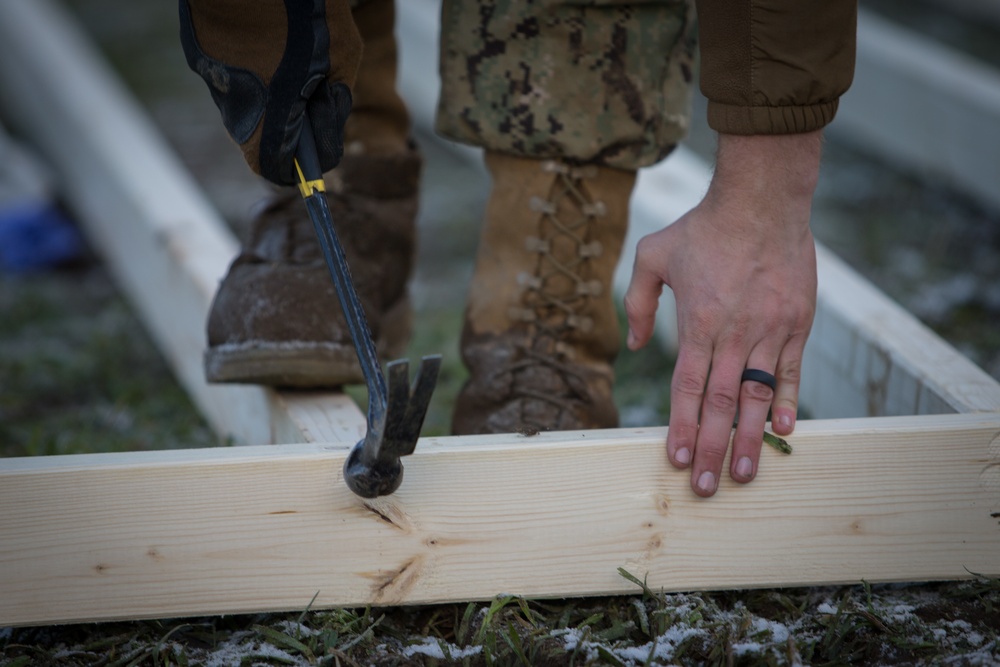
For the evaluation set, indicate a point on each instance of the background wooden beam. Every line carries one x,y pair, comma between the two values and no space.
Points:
926,106
229,530
143,213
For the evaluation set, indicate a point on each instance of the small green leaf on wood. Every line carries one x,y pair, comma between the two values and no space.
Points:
778,443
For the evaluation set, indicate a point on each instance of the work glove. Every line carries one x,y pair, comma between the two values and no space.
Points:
271,64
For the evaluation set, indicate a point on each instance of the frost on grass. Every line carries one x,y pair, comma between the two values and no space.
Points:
695,628
929,625
440,650
244,648
295,629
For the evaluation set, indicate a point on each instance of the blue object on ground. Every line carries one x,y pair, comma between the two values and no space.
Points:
35,235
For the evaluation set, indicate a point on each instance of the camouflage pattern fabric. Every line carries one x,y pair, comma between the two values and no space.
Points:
599,81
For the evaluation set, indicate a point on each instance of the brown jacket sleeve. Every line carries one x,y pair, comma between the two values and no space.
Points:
775,66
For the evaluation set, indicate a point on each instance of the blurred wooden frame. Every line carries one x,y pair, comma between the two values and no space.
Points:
909,491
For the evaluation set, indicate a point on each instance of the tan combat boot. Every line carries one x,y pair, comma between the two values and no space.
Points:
541,331
276,319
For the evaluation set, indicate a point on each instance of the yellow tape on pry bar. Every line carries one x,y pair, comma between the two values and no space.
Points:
308,188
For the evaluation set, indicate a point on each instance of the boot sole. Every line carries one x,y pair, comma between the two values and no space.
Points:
305,364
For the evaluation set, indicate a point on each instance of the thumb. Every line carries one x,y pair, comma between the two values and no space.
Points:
641,300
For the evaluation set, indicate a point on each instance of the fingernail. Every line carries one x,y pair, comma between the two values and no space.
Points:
744,467
707,482
631,339
785,421
683,456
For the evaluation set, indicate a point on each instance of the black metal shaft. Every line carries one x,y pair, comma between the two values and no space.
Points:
354,313
395,413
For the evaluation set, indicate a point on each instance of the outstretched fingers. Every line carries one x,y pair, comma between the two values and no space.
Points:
710,389
757,391
789,374
686,393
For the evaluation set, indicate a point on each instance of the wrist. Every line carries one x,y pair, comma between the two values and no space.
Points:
768,178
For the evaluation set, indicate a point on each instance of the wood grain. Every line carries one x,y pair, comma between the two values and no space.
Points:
233,530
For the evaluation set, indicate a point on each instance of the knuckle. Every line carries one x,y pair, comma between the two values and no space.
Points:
721,401
790,373
646,250
756,391
634,309
712,457
689,384
682,435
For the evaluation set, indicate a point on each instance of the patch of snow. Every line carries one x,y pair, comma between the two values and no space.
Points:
826,608
677,634
988,656
638,654
662,649
958,624
63,653
898,613
779,631
741,648
571,637
241,645
440,650
295,629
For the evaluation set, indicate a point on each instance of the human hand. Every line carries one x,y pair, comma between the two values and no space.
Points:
271,65
742,266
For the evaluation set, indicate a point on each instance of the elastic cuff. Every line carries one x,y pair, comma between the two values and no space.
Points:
733,119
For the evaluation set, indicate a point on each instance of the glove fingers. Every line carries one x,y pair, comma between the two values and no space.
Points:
267,64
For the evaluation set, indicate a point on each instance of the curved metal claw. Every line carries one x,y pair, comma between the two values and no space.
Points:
373,467
404,416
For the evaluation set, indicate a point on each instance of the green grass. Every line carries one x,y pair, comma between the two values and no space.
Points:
79,374
853,625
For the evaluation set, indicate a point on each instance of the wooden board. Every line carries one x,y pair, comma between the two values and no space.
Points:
869,356
223,531
141,210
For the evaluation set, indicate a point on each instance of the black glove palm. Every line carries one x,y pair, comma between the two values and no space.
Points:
269,65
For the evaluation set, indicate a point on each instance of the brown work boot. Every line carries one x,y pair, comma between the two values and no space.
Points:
276,319
541,331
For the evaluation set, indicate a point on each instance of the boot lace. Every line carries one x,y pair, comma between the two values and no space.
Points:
556,296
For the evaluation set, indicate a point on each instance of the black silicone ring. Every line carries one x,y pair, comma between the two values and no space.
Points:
755,375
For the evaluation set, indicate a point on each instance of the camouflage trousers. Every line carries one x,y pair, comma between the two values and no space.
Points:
598,81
